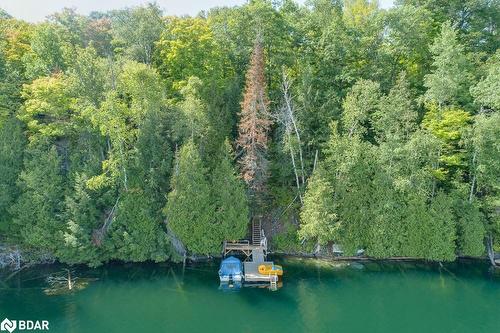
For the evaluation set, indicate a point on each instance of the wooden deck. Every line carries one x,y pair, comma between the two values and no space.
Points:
252,272
242,247
255,252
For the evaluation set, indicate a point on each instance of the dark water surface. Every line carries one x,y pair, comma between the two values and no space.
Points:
317,296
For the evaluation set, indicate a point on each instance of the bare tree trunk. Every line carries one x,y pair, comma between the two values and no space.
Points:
122,157
291,118
491,252
315,160
297,181
287,118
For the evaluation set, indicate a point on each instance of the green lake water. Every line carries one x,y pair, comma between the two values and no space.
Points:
317,296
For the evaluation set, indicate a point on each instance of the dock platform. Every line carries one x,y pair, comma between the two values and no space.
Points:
244,247
255,255
252,272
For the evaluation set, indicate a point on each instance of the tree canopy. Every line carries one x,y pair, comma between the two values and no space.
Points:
125,133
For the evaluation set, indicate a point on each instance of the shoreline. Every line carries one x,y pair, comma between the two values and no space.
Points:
21,264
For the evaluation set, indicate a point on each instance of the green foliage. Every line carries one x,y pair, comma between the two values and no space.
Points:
49,52
189,210
361,102
229,198
135,31
93,107
449,81
396,117
47,110
471,231
38,210
87,77
187,48
486,91
409,30
12,145
136,234
288,241
82,215
448,126
319,221
486,167
430,230
438,230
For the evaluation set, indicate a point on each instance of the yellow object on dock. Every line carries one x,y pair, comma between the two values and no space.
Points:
270,269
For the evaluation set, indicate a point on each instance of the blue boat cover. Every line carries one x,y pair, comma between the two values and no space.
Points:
230,266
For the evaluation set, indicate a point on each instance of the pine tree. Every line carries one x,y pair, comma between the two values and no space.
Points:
189,209
229,198
254,122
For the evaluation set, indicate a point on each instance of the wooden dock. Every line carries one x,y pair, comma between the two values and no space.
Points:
255,255
252,272
256,249
242,246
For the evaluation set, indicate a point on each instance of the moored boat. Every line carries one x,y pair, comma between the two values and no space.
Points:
231,270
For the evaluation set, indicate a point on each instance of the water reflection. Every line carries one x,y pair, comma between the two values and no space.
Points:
316,296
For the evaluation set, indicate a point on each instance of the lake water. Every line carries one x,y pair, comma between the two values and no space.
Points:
317,296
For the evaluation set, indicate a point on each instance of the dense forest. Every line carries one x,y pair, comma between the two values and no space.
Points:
134,135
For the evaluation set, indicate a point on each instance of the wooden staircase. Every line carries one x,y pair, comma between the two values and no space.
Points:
256,232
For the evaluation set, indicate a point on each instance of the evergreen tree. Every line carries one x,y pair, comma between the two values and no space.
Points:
229,199
387,233
38,211
12,145
136,234
82,216
318,219
439,230
430,229
254,122
470,228
189,209
349,167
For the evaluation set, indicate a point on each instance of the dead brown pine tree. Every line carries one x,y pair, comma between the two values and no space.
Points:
254,123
